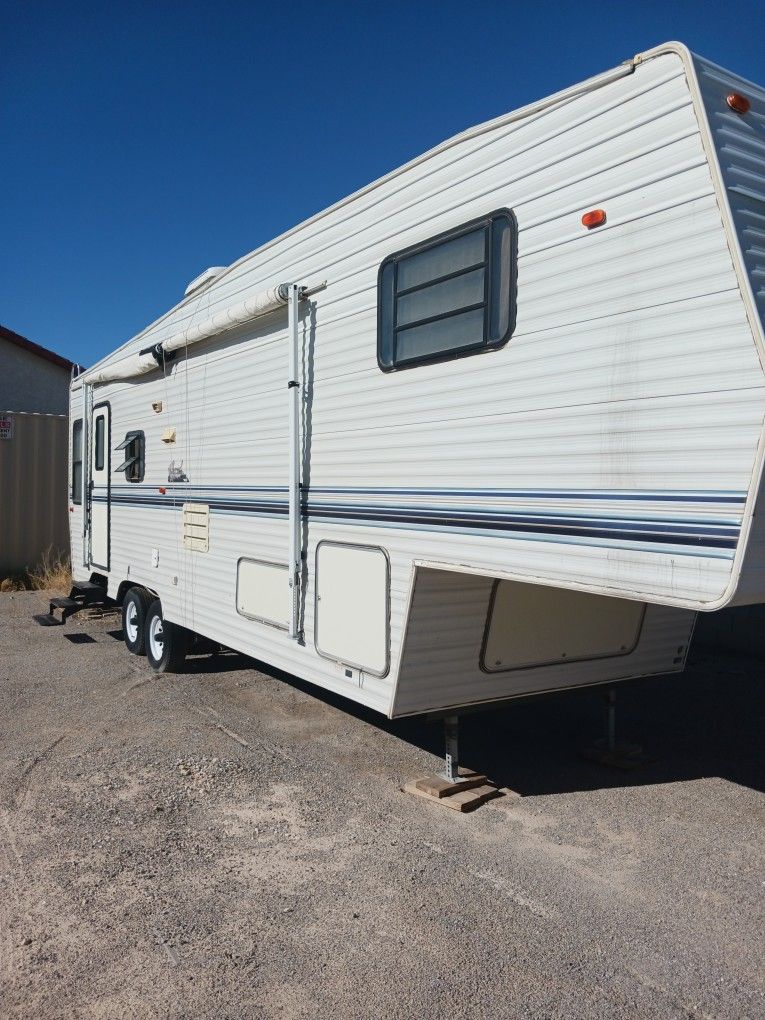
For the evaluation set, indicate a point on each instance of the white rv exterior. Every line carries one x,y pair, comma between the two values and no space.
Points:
547,511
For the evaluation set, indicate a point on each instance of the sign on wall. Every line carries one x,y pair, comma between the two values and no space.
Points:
6,426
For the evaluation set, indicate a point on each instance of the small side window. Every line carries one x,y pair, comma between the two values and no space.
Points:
76,488
133,447
100,427
449,296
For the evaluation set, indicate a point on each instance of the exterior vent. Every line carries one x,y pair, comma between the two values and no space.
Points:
203,280
196,526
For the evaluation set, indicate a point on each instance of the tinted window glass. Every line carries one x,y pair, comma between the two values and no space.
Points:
437,298
449,296
442,259
133,448
449,334
77,462
100,424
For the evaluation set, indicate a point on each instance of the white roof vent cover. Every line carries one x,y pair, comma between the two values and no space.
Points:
203,280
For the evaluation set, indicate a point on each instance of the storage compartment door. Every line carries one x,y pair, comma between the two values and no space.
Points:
533,625
352,605
263,592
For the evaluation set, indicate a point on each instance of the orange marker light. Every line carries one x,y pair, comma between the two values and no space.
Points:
594,218
738,103
162,489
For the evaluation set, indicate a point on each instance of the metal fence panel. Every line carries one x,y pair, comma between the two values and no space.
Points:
33,488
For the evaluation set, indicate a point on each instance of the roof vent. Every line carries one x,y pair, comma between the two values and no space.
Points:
203,280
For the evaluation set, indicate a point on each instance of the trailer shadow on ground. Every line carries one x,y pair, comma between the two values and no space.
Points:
707,721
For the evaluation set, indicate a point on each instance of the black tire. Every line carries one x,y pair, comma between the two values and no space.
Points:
135,606
166,643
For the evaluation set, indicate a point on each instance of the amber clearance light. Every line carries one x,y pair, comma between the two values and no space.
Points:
738,102
594,218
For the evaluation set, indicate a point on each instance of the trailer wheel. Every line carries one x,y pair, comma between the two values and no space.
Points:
166,643
135,605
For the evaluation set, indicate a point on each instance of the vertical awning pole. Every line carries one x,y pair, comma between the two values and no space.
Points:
293,389
85,494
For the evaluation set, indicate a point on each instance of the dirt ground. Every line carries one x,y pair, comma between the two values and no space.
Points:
232,843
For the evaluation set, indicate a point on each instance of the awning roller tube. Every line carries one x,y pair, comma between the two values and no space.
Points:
229,318
221,322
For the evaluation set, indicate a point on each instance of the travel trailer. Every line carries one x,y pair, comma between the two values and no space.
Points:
491,426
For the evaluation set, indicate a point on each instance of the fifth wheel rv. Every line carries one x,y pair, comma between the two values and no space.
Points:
491,426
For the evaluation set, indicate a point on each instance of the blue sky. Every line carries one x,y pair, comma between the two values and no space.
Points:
143,142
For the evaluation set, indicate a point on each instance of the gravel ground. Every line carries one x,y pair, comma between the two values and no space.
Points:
233,843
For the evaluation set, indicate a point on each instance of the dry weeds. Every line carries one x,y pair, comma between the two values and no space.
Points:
52,573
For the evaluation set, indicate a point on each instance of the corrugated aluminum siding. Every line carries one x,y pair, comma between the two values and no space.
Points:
33,491
739,142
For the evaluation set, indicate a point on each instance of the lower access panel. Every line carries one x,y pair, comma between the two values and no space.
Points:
352,605
530,625
263,592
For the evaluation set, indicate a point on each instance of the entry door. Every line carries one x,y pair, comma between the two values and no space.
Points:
100,486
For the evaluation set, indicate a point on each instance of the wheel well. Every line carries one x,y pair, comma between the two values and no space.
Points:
125,587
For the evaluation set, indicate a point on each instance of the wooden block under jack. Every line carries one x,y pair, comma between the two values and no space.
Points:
439,786
463,796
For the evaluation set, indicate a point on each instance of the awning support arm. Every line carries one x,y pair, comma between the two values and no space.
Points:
295,294
85,495
293,395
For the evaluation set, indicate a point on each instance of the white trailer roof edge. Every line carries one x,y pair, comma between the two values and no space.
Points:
590,84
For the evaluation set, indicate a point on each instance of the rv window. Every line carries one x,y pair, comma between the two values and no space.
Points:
133,446
100,423
77,462
449,296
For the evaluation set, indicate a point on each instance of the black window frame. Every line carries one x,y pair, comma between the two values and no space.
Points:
100,442
76,431
486,344
137,460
